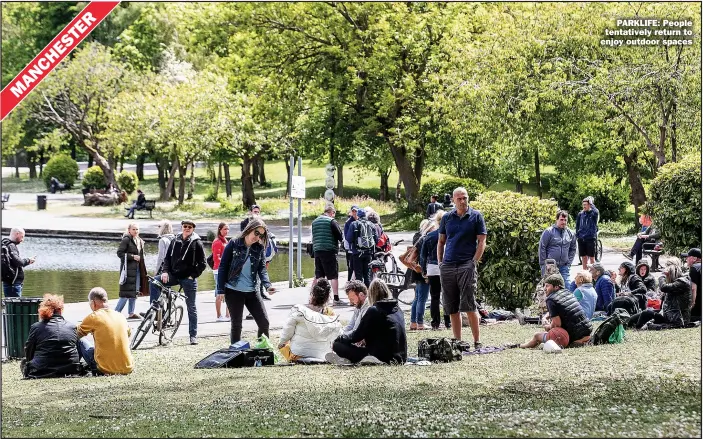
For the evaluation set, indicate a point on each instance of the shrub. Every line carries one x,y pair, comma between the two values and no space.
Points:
94,178
212,194
610,198
509,269
447,186
128,181
63,167
675,204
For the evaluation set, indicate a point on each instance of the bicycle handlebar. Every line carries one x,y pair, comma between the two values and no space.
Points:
163,287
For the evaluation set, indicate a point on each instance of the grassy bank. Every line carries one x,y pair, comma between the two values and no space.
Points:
647,387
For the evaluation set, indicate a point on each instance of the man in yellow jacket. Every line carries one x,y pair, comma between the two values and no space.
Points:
109,354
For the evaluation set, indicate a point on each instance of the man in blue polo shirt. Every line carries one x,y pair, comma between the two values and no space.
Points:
462,240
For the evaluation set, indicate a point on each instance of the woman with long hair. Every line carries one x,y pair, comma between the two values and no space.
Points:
244,259
131,254
422,286
430,271
218,247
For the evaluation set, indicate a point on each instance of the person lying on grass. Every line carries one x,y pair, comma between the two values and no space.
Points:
565,312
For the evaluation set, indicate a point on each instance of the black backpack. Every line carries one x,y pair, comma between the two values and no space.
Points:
603,332
226,358
9,273
439,349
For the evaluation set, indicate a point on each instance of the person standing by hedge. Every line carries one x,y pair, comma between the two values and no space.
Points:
462,240
559,243
587,232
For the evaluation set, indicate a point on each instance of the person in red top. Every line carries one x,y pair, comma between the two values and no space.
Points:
218,247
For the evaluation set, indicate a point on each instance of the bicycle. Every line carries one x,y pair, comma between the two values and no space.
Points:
163,318
385,267
599,251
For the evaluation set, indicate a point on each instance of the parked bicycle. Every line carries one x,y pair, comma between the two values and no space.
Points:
385,267
163,318
598,255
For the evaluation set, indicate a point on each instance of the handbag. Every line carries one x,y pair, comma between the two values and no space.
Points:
123,273
410,258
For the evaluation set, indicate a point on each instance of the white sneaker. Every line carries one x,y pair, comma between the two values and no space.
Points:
370,359
223,319
333,358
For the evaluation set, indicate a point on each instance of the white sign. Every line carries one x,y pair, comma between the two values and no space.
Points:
297,189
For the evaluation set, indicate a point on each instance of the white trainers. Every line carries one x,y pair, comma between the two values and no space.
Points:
333,358
370,359
223,319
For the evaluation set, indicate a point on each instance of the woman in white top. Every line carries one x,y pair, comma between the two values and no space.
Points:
430,270
311,329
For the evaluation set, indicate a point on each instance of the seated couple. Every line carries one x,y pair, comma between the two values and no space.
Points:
566,313
55,347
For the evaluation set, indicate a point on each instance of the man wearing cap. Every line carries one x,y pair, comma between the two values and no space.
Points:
605,290
565,312
693,259
254,210
183,264
347,246
433,207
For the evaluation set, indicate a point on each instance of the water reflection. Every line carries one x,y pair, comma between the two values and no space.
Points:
73,267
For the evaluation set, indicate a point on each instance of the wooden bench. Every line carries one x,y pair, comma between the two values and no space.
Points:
653,250
149,205
5,199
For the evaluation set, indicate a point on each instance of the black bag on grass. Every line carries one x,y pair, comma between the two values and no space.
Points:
439,349
603,332
225,358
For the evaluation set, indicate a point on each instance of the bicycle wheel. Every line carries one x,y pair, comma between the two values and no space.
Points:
172,324
144,327
599,250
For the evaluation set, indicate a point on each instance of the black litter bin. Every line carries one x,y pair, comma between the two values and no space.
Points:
41,202
19,314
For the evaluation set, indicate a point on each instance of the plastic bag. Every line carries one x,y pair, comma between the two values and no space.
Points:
618,335
263,342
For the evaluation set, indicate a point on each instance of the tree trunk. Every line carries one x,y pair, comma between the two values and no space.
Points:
32,163
518,186
384,193
41,162
228,182
255,169
406,172
538,174
262,172
340,180
674,153
90,161
397,189
182,175
141,158
122,161
161,167
107,169
17,168
637,195
73,150
218,179
247,183
191,187
171,176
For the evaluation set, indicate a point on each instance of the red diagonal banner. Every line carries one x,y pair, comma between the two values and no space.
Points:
53,53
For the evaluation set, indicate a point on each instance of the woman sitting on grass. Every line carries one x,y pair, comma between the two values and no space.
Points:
585,293
51,349
676,299
311,329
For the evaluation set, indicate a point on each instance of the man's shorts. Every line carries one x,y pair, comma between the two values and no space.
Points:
587,247
326,265
459,286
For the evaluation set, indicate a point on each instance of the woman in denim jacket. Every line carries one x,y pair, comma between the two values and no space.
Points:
243,259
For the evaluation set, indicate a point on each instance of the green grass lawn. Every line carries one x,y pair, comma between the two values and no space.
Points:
649,386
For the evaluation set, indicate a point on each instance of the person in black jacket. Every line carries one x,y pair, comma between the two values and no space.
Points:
131,255
676,300
13,276
380,334
565,312
631,284
642,271
137,205
651,235
433,207
51,350
183,264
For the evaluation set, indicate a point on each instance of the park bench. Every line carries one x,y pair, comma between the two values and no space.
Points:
5,199
653,250
149,205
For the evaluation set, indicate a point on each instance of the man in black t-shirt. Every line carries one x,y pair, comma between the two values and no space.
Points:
694,262
565,312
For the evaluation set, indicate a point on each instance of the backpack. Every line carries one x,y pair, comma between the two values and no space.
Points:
211,261
384,243
9,273
610,326
271,248
439,349
364,240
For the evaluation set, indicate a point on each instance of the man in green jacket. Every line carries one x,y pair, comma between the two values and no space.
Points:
326,236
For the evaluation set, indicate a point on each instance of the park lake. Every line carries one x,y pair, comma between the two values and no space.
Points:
71,267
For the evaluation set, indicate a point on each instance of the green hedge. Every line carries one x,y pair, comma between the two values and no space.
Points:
63,167
610,198
510,268
94,178
675,204
446,186
128,181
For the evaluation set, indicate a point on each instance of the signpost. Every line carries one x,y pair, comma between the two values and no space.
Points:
297,190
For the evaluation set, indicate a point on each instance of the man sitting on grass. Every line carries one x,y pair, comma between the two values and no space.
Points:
565,312
109,353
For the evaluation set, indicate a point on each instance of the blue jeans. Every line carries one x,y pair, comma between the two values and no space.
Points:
190,289
130,308
417,309
12,290
86,350
564,270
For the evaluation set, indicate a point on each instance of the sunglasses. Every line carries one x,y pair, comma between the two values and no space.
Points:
187,226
